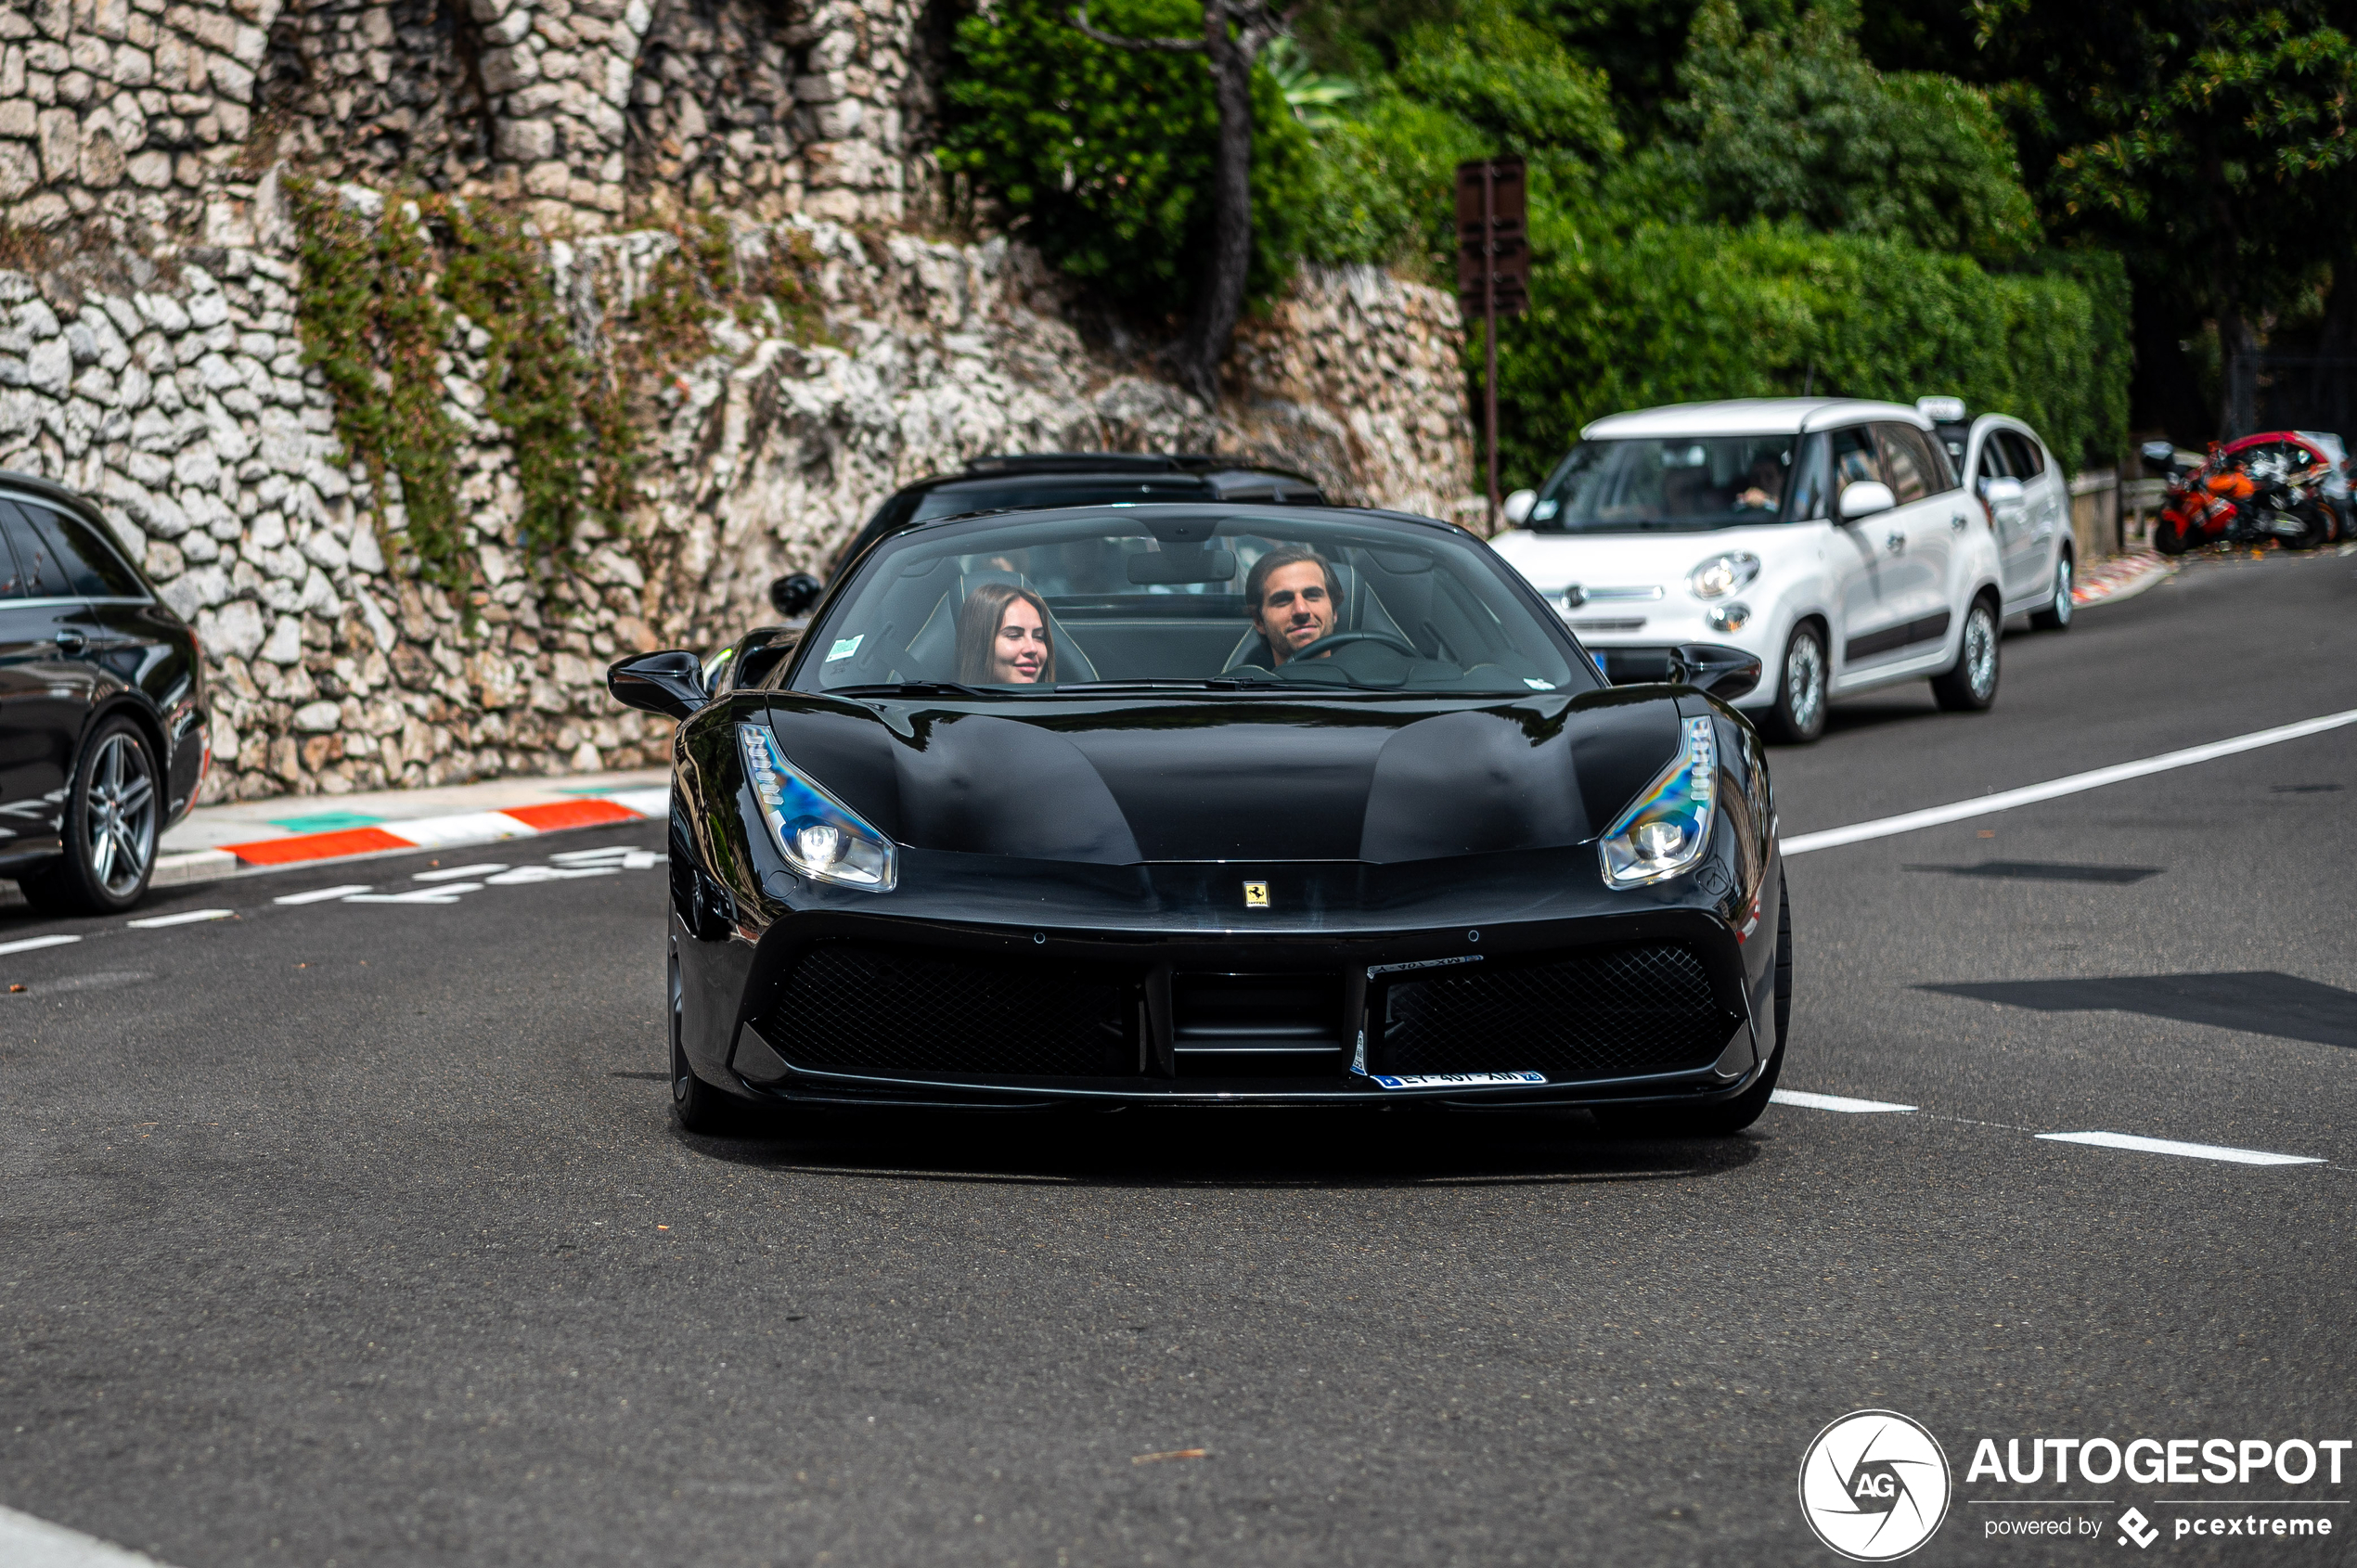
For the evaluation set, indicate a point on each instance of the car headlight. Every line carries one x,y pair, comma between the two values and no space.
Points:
1722,574
1668,829
818,835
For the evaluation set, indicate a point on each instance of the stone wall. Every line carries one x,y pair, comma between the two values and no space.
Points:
180,403
151,359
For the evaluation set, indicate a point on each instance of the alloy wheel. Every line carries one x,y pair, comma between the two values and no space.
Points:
1805,681
121,821
1980,652
2062,606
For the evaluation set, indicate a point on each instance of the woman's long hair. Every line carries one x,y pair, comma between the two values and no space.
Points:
978,624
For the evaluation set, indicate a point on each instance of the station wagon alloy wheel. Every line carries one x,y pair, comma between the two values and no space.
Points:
111,825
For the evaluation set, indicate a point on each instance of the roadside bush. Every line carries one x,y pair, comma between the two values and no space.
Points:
1103,156
1685,313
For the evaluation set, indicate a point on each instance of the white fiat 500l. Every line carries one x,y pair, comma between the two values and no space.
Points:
1829,538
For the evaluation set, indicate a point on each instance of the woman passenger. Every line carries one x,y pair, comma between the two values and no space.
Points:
1003,637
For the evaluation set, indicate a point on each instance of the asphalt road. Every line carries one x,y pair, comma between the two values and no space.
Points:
340,1234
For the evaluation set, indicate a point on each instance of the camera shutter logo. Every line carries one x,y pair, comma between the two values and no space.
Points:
1874,1486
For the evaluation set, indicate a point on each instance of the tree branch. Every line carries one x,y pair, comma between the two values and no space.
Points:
1079,18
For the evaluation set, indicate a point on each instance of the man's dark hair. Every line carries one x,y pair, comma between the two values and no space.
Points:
1256,583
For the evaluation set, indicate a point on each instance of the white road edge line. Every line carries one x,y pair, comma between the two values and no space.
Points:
29,944
2006,799
453,873
321,894
27,1542
1831,1101
185,918
2189,1151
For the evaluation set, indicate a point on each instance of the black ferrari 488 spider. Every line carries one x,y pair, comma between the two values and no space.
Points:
1170,804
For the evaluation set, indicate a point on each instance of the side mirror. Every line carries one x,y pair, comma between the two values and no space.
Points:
2002,491
1865,498
1517,508
670,683
1725,672
793,593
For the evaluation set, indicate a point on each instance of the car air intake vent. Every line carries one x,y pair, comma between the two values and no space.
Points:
1226,1025
1609,1012
857,1008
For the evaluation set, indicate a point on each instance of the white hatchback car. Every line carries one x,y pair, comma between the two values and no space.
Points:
2027,500
1829,538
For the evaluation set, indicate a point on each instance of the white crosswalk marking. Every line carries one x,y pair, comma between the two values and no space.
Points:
185,918
29,944
321,894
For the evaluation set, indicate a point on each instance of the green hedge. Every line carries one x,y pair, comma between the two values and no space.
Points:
1688,313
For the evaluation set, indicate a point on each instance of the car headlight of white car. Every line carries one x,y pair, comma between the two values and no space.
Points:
1665,833
819,836
1724,574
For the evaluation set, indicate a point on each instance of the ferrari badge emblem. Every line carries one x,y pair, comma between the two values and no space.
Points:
1256,895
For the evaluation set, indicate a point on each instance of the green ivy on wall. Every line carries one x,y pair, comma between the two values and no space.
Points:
375,309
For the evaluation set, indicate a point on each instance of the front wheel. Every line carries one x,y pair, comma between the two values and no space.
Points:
2055,614
112,814
1969,685
1797,716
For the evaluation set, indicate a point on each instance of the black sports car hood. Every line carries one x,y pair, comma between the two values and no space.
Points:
1120,782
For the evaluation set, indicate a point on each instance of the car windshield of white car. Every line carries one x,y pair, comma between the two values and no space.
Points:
1031,604
1679,484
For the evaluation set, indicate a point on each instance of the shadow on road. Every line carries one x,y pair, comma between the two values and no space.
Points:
2256,1002
1408,1147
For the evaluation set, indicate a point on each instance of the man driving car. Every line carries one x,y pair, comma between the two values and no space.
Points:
1296,599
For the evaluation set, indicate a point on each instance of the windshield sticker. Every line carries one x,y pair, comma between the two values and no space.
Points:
845,649
1457,1080
1537,684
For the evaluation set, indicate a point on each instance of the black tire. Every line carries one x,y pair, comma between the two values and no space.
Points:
1969,686
113,818
2170,538
1797,716
2055,616
1728,1117
696,1105
2316,522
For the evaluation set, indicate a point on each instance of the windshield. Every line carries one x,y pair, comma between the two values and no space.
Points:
1676,484
1031,604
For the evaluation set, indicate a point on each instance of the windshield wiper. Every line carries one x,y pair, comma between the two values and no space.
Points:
911,688
1204,683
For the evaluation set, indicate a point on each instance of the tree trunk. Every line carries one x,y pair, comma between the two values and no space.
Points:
1219,298
2239,359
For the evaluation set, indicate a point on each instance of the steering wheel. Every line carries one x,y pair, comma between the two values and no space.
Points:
1336,639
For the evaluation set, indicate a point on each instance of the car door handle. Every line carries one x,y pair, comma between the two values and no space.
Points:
71,642
1898,543
1957,522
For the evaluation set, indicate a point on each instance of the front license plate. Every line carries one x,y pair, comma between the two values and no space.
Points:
1457,1080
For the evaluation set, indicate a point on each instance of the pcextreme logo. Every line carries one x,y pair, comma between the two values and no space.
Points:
1874,1486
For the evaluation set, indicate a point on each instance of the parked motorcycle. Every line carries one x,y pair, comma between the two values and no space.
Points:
2274,487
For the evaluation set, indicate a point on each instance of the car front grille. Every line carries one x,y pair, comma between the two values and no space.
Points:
856,1008
1610,1012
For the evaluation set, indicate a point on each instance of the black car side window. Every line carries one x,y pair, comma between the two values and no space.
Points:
91,563
40,573
2030,460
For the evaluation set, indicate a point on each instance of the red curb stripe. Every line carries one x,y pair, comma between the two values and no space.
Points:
317,846
559,814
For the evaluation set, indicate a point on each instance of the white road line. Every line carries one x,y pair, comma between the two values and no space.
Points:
321,894
2006,799
27,1542
452,873
185,918
447,893
524,874
27,945
2189,1150
1831,1101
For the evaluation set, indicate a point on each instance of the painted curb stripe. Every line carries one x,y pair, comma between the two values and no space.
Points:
447,832
559,814
2189,1150
317,847
2006,799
